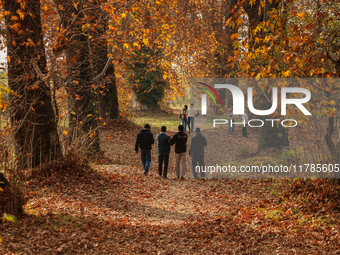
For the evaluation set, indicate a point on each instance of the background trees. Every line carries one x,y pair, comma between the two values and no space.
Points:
91,46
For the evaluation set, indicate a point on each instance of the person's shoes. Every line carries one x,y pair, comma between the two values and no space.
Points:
165,177
182,178
203,178
145,173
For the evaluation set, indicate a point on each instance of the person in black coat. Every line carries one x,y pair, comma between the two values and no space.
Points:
144,141
198,142
180,139
163,150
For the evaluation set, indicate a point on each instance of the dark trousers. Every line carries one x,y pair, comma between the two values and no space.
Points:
244,131
162,158
200,160
146,159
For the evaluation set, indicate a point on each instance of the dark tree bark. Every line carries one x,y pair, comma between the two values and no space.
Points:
107,96
103,69
83,117
32,115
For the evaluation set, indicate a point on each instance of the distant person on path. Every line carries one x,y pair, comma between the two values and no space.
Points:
180,139
144,141
191,117
231,120
184,114
198,142
244,128
163,150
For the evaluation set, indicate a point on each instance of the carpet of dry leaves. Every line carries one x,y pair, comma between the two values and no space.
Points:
113,208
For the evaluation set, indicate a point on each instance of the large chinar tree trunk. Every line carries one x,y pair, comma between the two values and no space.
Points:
269,137
83,124
32,115
103,68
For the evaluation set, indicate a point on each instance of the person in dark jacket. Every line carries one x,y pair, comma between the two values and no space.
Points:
163,150
198,142
180,139
144,141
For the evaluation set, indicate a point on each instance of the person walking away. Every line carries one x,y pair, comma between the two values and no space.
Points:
198,142
191,117
244,127
144,141
184,114
231,120
180,139
163,150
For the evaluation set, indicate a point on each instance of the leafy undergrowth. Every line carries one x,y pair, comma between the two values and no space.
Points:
115,209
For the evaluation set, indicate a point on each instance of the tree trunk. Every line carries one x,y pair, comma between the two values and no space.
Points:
107,98
32,115
272,137
83,125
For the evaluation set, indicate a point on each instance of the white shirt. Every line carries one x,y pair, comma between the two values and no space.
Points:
191,111
245,118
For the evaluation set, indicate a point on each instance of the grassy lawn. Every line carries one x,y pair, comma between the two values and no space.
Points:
171,121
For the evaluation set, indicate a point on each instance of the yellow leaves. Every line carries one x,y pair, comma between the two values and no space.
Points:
3,88
136,44
123,15
145,41
9,217
61,7
21,14
165,76
126,45
1,189
65,133
301,14
89,115
16,26
234,36
286,73
75,4
29,43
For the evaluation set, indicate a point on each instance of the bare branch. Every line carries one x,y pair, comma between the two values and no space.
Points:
104,70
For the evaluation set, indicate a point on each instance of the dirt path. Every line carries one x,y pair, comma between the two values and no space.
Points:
125,212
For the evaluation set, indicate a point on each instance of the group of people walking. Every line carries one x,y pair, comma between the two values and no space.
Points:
145,140
188,117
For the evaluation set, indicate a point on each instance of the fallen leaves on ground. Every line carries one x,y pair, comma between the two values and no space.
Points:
115,209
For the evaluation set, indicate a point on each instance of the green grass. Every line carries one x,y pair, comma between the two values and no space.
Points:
171,121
